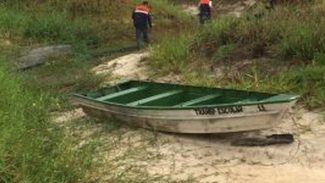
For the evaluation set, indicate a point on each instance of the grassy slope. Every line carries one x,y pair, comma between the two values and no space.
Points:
32,149
291,36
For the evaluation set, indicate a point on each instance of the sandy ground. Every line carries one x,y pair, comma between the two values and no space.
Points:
191,9
223,7
131,66
125,153
212,159
128,152
226,8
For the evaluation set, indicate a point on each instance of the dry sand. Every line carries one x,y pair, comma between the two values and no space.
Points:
234,8
133,152
223,7
211,158
131,66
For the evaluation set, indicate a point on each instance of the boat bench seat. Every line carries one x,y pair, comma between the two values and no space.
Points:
197,100
121,93
280,97
244,101
155,97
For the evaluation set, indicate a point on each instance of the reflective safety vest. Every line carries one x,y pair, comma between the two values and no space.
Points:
142,9
204,1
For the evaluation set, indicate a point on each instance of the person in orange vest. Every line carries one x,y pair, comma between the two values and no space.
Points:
141,20
205,10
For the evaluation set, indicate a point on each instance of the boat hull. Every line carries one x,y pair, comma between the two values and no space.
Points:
197,120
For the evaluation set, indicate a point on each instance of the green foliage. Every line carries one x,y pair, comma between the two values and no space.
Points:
287,32
57,27
49,26
31,148
170,8
199,79
215,34
224,52
309,81
95,8
172,55
320,59
169,19
62,74
83,22
302,36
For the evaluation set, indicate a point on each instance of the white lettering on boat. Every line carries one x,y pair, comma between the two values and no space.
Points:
205,111
219,110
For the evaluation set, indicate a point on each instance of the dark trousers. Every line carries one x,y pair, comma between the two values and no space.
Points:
205,13
141,33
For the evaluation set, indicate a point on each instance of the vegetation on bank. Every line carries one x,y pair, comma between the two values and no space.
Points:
92,23
32,147
91,27
52,26
292,37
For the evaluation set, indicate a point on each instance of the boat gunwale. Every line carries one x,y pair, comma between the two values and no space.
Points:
207,117
291,97
182,108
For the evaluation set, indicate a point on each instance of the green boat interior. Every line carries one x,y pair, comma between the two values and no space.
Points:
148,94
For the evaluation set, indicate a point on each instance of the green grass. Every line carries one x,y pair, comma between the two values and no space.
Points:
62,76
224,52
288,33
85,24
309,81
32,149
45,26
172,55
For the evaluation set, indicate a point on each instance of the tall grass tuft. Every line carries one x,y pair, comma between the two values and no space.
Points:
172,55
31,148
309,81
48,26
302,33
287,31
